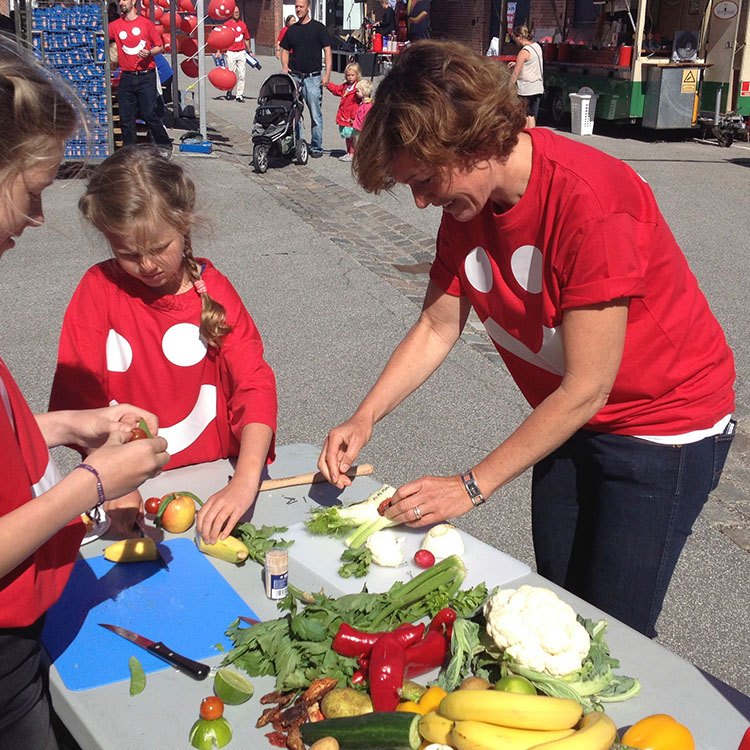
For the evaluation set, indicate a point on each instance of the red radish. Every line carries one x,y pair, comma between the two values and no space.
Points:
423,558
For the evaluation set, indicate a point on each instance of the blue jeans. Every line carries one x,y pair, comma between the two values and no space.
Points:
611,514
137,93
312,94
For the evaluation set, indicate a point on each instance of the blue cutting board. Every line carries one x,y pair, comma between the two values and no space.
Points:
187,604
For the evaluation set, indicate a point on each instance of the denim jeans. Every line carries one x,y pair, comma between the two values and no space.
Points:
24,704
611,514
138,94
312,94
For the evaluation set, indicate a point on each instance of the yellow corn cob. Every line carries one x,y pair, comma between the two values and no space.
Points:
511,709
478,735
230,549
131,550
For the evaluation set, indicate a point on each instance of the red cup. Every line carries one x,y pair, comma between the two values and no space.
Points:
377,42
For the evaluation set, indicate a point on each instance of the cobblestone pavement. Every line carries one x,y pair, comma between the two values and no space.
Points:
401,255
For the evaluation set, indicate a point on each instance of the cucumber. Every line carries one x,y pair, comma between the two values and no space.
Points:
384,730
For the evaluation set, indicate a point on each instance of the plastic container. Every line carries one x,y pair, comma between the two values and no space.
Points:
582,112
277,572
625,56
377,42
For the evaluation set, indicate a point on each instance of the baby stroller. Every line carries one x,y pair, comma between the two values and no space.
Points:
279,110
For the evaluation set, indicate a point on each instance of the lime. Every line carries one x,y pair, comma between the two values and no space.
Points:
232,687
514,683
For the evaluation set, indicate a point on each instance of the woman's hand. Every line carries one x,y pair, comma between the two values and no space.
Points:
435,499
341,448
222,512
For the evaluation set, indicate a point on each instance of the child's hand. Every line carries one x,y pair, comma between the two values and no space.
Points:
222,512
123,514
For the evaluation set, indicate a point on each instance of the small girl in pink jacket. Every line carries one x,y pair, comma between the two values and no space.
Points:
364,95
347,106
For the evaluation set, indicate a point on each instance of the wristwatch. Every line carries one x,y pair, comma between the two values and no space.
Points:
473,491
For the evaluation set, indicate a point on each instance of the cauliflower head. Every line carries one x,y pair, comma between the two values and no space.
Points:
537,629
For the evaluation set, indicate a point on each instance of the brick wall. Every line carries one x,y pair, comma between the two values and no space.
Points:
264,21
464,21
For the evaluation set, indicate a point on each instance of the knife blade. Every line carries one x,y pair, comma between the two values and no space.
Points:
193,668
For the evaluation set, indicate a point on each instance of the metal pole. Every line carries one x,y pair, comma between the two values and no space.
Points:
176,108
201,69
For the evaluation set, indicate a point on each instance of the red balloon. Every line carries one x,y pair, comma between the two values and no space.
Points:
158,13
165,21
187,5
221,10
167,42
190,67
222,78
159,28
163,3
189,23
221,38
188,46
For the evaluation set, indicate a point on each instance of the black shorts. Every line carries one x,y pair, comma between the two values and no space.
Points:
532,104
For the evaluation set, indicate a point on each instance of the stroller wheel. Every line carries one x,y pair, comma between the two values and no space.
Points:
300,151
260,158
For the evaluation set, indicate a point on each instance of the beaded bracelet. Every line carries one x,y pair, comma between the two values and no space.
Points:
99,486
470,484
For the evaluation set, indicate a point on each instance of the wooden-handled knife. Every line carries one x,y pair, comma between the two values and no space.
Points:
312,478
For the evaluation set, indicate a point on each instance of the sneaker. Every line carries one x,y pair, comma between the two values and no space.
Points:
240,99
166,152
228,96
316,154
345,157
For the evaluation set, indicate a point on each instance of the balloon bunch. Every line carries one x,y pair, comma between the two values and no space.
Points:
219,39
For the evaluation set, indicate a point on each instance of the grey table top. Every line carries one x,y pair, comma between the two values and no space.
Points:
108,718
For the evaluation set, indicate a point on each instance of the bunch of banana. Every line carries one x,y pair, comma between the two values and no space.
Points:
492,719
230,549
131,550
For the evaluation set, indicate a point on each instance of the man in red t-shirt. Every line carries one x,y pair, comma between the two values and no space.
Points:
138,42
235,54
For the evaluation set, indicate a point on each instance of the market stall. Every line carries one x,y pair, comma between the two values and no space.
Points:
187,601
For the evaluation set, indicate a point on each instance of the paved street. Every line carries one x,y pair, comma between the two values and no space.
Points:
334,277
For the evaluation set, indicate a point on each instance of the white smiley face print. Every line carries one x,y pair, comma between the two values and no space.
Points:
542,345
181,346
132,42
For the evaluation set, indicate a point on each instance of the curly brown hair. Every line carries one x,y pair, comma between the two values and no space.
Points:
135,192
445,105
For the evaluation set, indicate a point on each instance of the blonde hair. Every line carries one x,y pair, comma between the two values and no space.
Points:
355,67
133,193
523,32
364,87
38,111
442,104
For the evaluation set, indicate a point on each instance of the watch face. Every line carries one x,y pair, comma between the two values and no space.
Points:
725,9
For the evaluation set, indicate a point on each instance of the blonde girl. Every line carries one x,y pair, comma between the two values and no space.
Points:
364,96
347,106
40,513
160,324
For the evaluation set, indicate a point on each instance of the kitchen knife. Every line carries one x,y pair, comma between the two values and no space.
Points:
193,668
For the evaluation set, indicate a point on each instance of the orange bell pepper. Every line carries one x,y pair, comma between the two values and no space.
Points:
659,732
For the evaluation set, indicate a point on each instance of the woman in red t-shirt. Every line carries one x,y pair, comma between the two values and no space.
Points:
40,524
287,23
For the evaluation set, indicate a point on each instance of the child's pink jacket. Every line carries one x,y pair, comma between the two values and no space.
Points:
359,117
348,104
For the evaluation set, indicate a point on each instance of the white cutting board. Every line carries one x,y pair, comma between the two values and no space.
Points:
320,555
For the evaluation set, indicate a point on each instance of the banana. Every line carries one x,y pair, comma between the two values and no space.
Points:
230,549
131,550
478,735
511,709
435,728
596,731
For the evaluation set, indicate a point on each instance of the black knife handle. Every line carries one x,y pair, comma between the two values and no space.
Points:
193,668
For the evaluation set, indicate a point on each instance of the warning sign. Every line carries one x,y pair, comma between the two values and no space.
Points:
689,81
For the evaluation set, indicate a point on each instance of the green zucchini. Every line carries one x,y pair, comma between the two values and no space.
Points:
384,730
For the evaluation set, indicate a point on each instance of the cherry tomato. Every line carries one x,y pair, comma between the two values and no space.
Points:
383,507
212,708
423,558
138,434
151,506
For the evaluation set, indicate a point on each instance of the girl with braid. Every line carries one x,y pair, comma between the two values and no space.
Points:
157,326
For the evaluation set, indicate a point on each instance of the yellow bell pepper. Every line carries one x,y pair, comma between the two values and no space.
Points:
430,700
659,732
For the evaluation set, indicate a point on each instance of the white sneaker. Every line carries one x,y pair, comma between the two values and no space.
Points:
345,157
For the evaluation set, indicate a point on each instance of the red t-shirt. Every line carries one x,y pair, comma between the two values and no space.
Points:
122,342
281,34
131,37
35,585
240,35
588,230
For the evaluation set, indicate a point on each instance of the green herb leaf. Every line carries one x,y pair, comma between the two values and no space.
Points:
258,541
137,676
356,562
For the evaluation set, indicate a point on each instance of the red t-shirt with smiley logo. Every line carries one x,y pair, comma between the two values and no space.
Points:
131,37
587,230
123,342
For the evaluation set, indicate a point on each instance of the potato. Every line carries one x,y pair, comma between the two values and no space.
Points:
475,683
341,702
325,743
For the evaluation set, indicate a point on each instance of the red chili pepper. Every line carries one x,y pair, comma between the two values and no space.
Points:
349,641
445,616
426,655
386,673
359,677
745,741
363,662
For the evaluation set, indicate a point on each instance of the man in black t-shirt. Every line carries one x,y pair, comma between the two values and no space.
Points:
301,50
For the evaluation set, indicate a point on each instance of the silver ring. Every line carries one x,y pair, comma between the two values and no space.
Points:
417,513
